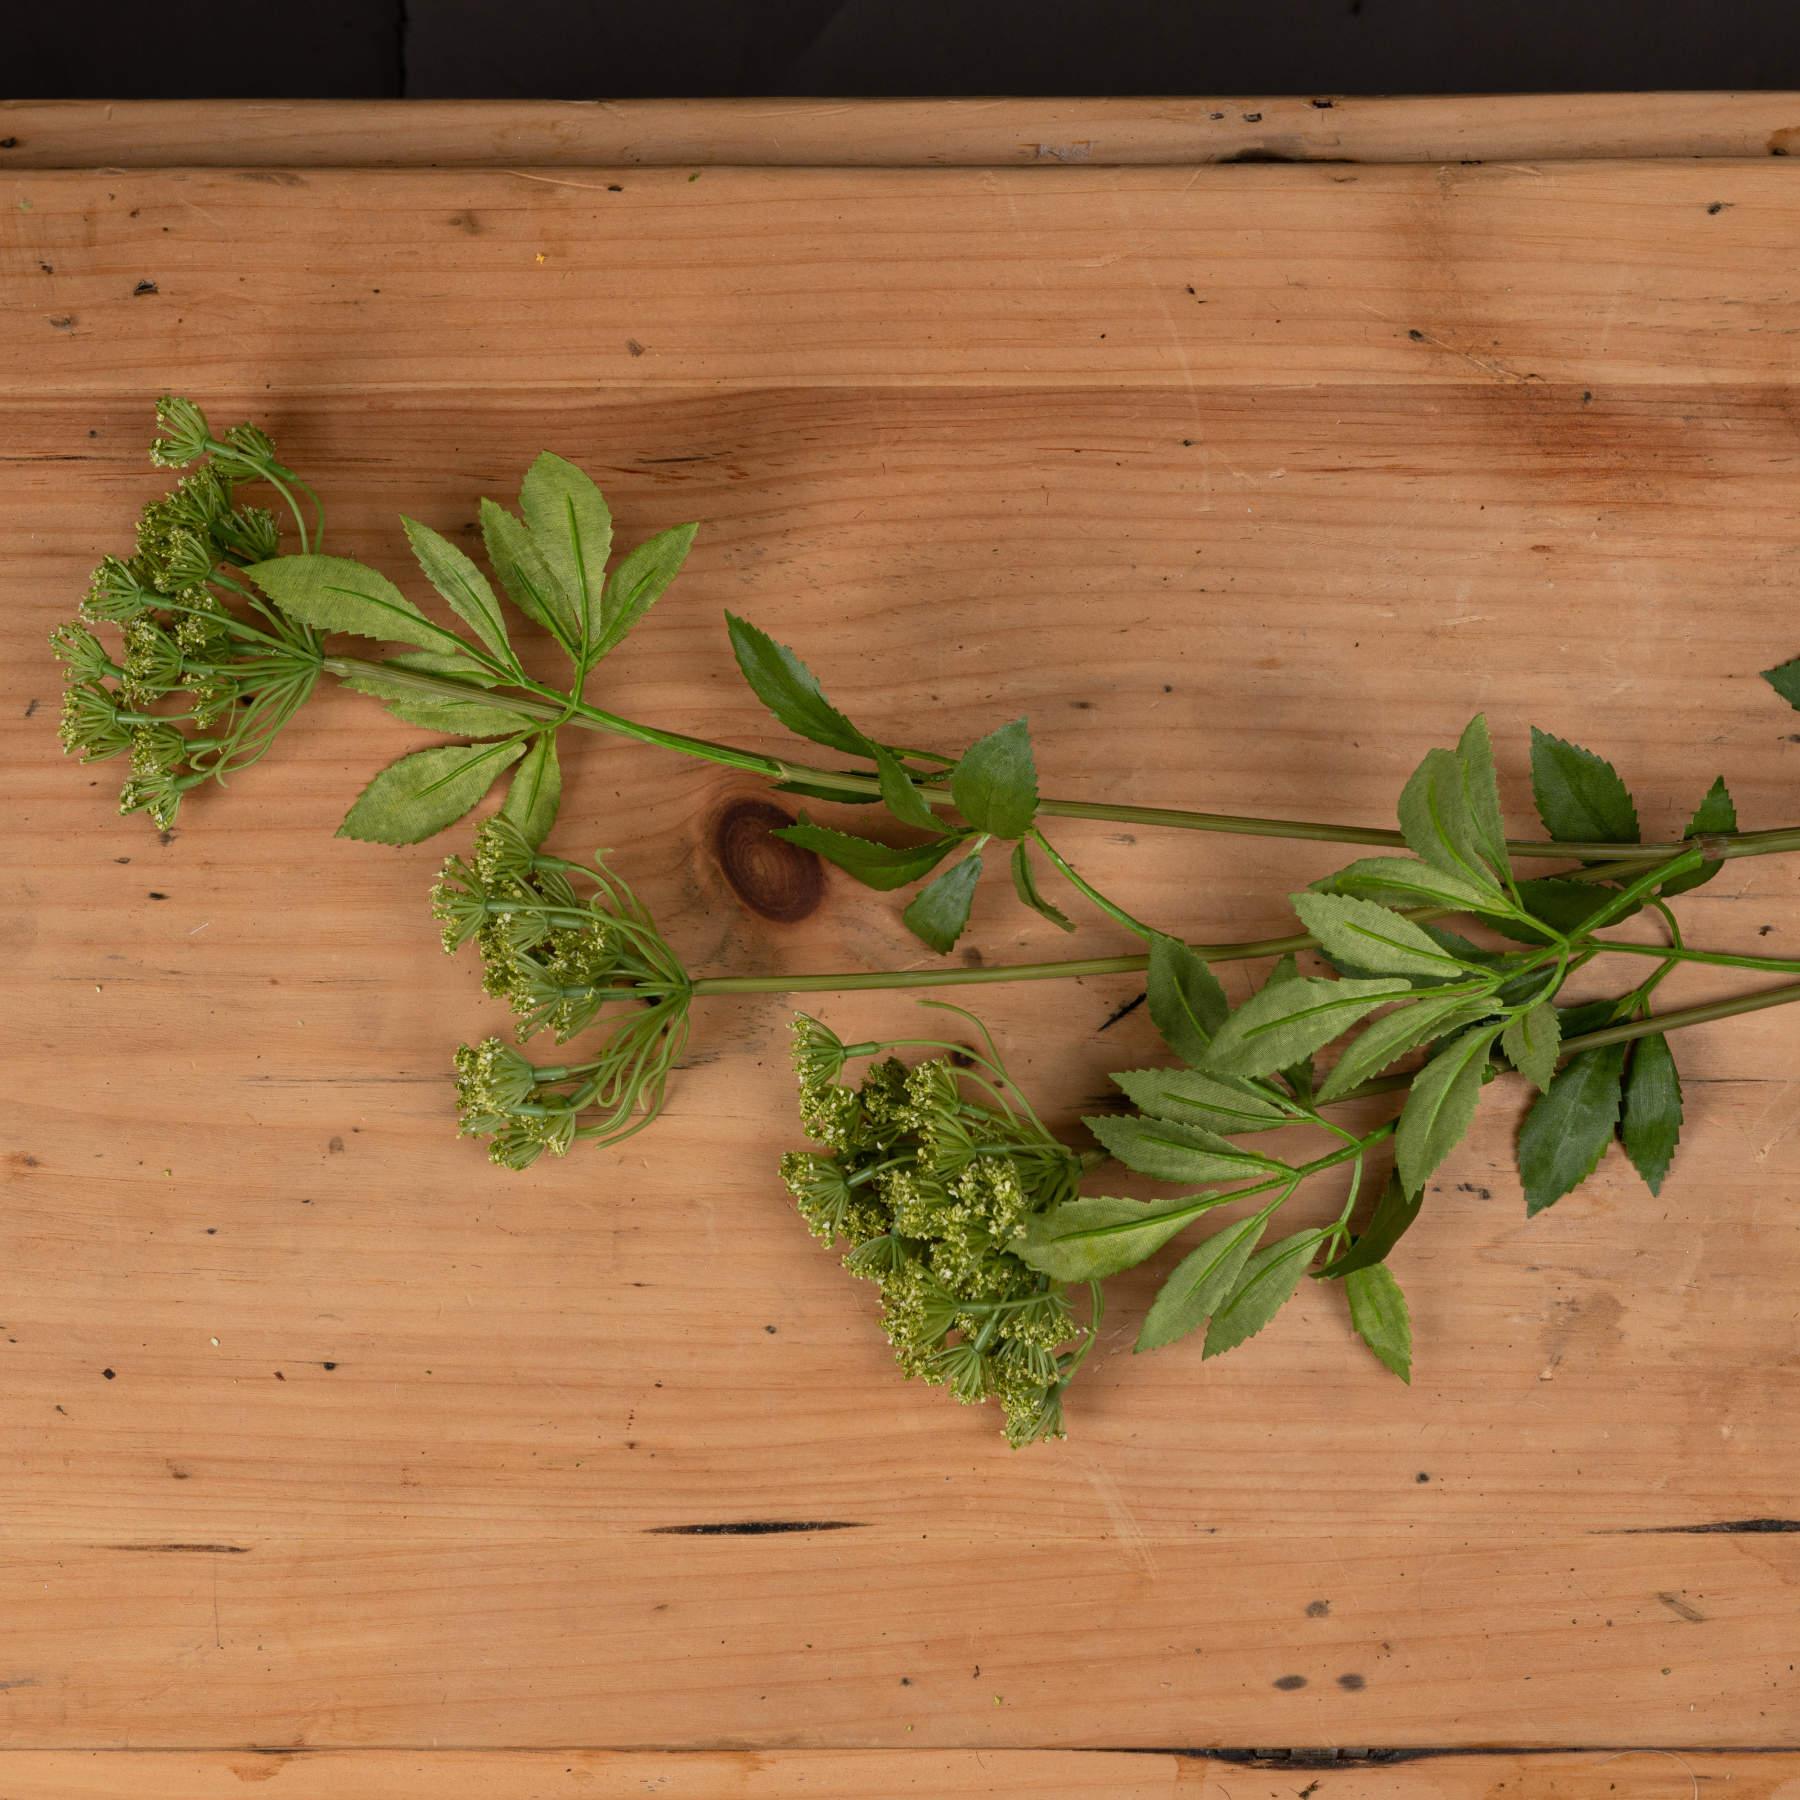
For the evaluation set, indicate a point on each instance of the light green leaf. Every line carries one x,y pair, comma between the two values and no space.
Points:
1652,1123
1026,887
1200,1282
1440,1105
1264,1286
1567,1130
995,784
462,585
1481,794
1378,1312
572,527
331,593
1189,1154
535,790
1288,1020
1187,1005
1398,881
790,690
883,866
939,913
1189,1098
529,581
439,712
1373,937
1579,795
1715,815
1435,821
898,792
640,580
1532,1041
1383,1041
422,793
1388,1223
1085,1240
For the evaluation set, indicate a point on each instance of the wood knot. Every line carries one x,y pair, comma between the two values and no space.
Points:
772,877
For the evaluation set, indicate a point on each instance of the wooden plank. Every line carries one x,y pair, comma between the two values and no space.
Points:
61,134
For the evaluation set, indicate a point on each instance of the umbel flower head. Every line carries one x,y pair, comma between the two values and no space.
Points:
567,958
931,1187
195,691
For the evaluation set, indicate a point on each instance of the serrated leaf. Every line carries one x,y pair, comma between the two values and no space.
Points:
439,712
899,794
641,579
1265,1285
995,784
1651,1127
463,586
1435,821
572,526
1481,794
535,791
1187,1005
1378,1313
1440,1105
1392,1218
790,690
883,866
1288,1020
1299,1074
1200,1282
1085,1240
1532,1041
1716,814
1188,1154
817,790
1567,1130
528,579
331,593
1373,937
422,793
1397,881
1579,795
1784,678
1563,906
1187,1097
1025,886
1383,1041
939,913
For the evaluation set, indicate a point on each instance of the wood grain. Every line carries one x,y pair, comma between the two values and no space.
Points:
322,1434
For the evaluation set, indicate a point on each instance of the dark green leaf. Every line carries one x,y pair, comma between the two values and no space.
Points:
1398,881
1715,815
1563,905
1579,795
1378,1312
1187,1005
1200,1282
995,784
1084,1240
1388,1223
1533,1041
1481,795
1188,1098
790,690
535,790
1373,937
1435,821
1026,887
1652,1123
1383,1041
331,593
639,581
1785,680
463,585
883,866
1264,1286
572,528
1440,1105
1288,1020
898,793
1567,1130
530,582
1189,1154
938,913
422,793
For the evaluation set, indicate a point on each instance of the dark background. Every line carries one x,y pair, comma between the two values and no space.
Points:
593,49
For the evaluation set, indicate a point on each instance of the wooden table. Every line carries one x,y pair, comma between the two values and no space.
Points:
335,1460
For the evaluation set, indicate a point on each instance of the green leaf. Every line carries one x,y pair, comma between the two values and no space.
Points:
1652,1123
1440,1105
1562,905
439,712
1187,1005
1200,1282
529,581
1567,1130
1481,795
818,790
1373,937
1435,821
1265,1285
572,527
422,793
1288,1020
995,784
331,593
1085,1240
1300,1074
640,580
1189,1154
938,913
1532,1041
1188,1098
1383,1041
1026,887
898,793
535,791
462,585
1398,881
883,866
1784,678
790,690
1579,795
1378,1312
1388,1223
1714,815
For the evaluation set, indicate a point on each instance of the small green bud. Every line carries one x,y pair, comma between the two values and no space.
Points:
186,435
90,725
117,591
80,652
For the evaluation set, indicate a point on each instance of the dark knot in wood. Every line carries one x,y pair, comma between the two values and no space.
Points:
772,877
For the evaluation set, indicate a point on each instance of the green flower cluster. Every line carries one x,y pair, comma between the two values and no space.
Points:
194,691
932,1191
561,960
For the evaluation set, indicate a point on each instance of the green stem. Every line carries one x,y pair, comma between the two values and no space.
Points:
1718,959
